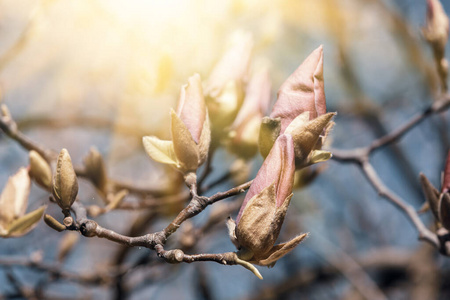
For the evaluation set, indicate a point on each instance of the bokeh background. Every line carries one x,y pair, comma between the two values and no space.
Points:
81,73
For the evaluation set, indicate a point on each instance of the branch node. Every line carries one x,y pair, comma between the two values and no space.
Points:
88,228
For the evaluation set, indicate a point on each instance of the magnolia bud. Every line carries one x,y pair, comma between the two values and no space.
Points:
40,170
96,170
190,129
262,213
245,128
302,92
53,223
65,183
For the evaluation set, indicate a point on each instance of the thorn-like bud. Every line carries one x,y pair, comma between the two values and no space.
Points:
65,183
53,223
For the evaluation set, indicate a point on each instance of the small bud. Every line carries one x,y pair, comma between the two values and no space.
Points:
96,170
65,183
40,170
53,223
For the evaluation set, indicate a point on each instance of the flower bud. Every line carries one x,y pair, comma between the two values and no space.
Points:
224,88
53,223
245,128
233,66
302,92
65,183
40,170
262,213
191,135
96,170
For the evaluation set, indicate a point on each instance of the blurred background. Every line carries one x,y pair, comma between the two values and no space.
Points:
77,74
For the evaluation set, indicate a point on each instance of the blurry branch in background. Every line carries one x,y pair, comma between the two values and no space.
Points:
380,263
360,156
436,32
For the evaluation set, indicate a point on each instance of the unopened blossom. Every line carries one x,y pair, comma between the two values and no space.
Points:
244,131
436,32
13,204
261,216
65,183
303,91
300,111
225,87
190,130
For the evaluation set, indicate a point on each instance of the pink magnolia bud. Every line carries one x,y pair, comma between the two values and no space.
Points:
191,135
302,92
245,128
262,213
191,106
278,169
